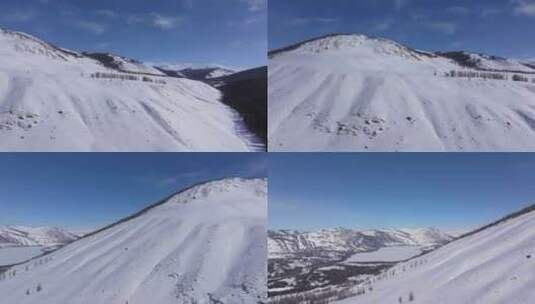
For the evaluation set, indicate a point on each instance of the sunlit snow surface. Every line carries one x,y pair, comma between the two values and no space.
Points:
494,266
354,93
49,102
14,255
204,245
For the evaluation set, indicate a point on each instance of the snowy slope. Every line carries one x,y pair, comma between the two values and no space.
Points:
124,64
203,245
50,102
282,242
34,236
355,93
491,266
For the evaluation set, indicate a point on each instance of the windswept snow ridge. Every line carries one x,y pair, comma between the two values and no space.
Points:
356,93
52,99
203,245
492,265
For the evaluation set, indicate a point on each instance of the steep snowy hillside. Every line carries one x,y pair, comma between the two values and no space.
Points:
356,93
492,265
205,244
282,242
53,99
39,236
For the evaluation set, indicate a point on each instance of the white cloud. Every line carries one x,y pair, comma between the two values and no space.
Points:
255,5
92,27
165,22
107,13
448,28
156,20
524,7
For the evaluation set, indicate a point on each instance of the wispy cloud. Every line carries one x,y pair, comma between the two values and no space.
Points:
157,20
107,13
165,22
444,27
255,5
524,7
91,26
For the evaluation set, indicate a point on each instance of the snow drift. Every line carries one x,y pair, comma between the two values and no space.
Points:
205,244
50,100
495,264
356,93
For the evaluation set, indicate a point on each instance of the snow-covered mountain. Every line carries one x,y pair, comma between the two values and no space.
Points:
205,244
11,236
206,73
124,64
52,99
491,265
357,93
282,242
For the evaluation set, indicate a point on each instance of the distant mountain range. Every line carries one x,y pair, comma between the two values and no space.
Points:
14,236
281,242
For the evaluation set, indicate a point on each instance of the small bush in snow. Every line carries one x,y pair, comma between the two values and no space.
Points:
411,297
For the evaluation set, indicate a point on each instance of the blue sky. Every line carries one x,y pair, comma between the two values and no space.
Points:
226,32
497,27
87,190
399,190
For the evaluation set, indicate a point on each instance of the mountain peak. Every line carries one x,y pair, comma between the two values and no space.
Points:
202,190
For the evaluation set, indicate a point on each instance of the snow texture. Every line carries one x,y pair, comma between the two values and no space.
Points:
202,245
355,93
50,102
492,266
14,255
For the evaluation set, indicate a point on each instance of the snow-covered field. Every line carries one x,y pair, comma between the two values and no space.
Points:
14,255
354,93
386,254
50,102
493,266
206,244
